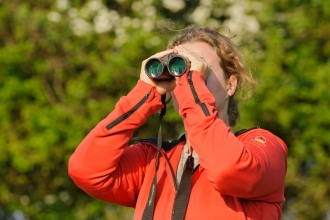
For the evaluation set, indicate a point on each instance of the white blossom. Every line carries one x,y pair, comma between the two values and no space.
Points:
150,11
73,13
174,5
153,41
95,5
137,6
148,25
239,21
50,199
80,26
63,4
200,14
54,16
25,200
104,20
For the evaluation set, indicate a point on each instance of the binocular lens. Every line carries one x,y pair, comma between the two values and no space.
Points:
177,66
166,67
154,68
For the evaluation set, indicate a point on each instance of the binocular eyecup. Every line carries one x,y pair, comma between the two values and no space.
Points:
166,67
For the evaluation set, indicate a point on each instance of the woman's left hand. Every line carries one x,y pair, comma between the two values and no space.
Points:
197,61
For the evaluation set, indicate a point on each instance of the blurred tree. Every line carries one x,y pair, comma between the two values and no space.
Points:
64,64
63,67
291,55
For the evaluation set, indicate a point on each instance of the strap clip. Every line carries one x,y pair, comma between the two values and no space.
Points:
189,165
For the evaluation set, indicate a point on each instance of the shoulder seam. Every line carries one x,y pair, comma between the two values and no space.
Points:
237,133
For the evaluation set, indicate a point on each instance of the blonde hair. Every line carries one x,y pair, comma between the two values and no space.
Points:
231,61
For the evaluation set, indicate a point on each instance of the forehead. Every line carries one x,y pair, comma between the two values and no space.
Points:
204,49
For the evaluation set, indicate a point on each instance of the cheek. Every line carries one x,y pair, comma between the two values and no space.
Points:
217,88
214,85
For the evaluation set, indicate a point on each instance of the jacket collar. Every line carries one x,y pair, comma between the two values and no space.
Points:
166,145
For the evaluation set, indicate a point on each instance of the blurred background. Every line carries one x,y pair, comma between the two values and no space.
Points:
64,64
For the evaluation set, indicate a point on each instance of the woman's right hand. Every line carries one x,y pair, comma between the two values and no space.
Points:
162,86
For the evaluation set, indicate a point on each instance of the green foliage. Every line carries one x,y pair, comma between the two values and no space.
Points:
293,100
63,66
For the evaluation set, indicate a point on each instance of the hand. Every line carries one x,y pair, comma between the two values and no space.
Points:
197,61
162,86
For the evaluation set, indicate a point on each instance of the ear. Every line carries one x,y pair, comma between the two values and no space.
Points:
231,85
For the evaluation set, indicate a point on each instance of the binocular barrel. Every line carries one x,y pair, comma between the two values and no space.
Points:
166,67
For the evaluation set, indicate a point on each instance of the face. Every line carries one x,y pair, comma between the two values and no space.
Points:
221,88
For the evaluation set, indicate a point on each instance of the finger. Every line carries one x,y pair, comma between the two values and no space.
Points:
193,56
198,62
197,55
159,55
163,53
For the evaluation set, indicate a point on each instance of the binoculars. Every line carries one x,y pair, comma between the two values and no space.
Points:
166,67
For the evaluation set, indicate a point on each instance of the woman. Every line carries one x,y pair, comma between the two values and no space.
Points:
227,175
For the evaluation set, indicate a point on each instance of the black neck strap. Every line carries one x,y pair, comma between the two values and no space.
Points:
183,194
149,209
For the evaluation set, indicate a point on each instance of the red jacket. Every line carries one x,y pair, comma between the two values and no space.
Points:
237,178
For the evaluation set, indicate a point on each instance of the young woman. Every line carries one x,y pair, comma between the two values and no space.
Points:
226,175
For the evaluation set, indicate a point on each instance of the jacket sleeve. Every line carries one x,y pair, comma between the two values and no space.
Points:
103,165
243,167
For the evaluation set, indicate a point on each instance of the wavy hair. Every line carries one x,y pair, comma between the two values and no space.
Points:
232,62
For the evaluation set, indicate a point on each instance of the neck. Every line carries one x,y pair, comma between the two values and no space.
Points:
189,145
224,117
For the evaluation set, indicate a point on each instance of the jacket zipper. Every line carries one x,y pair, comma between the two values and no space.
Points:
193,90
127,114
